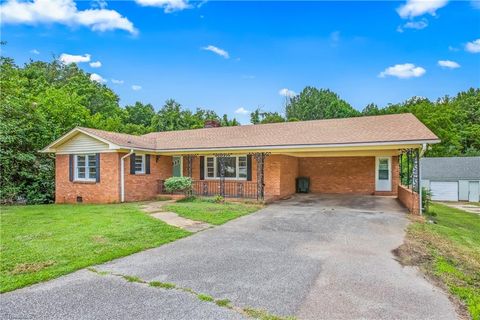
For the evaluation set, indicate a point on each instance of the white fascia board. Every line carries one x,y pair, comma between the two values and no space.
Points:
51,147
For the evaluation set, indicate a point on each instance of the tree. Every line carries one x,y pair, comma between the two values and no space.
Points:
260,117
312,104
140,114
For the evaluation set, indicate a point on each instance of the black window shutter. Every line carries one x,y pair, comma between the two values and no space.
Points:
249,168
132,163
98,166
147,164
70,167
202,168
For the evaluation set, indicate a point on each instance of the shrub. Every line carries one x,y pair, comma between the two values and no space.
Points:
426,199
218,199
179,184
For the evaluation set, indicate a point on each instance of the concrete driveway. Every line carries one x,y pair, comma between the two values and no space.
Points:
313,257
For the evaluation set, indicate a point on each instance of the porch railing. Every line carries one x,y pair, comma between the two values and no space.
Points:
207,188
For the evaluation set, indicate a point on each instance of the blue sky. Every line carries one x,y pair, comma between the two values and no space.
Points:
231,55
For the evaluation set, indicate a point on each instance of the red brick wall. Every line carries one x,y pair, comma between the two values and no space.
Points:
354,175
339,174
409,199
137,187
280,174
145,186
106,191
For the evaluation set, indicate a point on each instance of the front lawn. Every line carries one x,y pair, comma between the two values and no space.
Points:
207,210
448,251
45,241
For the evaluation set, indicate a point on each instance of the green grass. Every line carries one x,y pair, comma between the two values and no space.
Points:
264,315
449,251
164,285
207,210
223,303
205,297
42,242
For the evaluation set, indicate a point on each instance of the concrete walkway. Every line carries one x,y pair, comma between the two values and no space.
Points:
155,209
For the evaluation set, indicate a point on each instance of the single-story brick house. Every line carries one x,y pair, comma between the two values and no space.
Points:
352,155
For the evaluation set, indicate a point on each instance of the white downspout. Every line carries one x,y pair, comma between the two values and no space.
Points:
424,148
122,175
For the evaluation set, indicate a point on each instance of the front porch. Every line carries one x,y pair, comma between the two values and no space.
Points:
210,188
266,176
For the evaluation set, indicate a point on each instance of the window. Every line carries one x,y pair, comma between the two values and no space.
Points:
86,167
140,163
210,167
235,167
383,169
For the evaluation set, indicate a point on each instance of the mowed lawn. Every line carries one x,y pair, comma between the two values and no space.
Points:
448,251
45,241
207,210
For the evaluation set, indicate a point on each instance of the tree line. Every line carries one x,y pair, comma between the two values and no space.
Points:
41,101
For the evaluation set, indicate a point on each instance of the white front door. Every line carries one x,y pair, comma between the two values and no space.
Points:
383,174
473,191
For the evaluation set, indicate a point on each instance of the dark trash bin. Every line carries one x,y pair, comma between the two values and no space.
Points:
303,185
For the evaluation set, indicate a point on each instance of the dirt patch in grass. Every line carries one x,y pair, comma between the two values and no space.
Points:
31,267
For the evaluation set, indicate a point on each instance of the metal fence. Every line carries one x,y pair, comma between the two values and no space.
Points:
207,188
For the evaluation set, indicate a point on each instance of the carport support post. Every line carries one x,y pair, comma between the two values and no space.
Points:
221,161
260,159
190,158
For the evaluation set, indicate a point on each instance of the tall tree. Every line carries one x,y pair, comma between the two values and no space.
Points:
260,117
312,104
140,114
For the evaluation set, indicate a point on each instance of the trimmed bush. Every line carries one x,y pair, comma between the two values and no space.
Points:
179,184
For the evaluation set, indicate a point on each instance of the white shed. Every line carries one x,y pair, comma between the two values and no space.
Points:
452,179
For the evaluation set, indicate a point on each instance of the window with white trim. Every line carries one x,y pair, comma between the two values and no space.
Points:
140,163
235,168
85,167
383,171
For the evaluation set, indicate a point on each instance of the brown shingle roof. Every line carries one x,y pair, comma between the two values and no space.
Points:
373,129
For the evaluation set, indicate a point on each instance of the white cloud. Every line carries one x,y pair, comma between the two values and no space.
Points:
473,46
286,92
136,87
35,51
242,110
167,5
448,64
115,81
335,38
95,64
451,48
97,78
418,25
66,58
403,71
217,50
415,8
63,12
